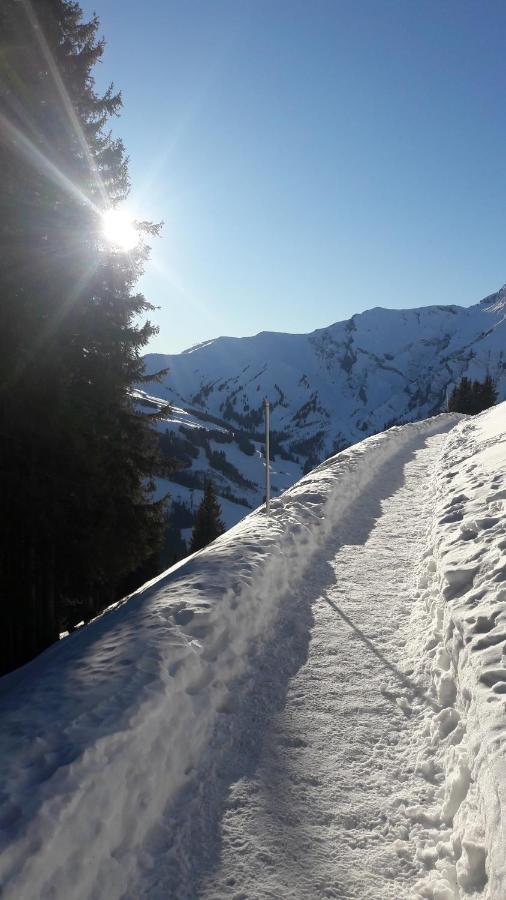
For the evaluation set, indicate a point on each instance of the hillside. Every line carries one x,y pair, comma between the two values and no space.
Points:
312,706
327,390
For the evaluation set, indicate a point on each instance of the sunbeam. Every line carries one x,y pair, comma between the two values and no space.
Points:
67,103
51,326
37,159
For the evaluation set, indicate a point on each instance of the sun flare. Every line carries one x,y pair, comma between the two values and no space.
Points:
119,229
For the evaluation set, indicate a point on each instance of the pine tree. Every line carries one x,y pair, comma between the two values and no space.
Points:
461,397
208,524
488,393
473,397
76,458
475,400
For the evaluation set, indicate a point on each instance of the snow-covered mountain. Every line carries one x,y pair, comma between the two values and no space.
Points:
327,389
345,381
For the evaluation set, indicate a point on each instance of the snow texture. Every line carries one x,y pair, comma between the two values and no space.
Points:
463,645
288,713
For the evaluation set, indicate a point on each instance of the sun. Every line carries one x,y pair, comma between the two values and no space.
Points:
119,229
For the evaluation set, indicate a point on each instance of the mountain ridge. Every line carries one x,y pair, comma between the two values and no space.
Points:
327,390
417,354
490,300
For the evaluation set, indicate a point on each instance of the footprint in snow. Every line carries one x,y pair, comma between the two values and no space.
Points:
491,677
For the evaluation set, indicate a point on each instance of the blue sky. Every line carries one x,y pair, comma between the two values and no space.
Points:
310,159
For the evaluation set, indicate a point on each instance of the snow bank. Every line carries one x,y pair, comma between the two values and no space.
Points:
464,590
102,732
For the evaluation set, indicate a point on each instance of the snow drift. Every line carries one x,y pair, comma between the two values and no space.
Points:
464,591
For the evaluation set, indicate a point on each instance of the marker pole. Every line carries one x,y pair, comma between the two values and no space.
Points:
267,458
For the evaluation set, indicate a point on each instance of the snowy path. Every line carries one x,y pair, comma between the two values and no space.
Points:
316,803
312,707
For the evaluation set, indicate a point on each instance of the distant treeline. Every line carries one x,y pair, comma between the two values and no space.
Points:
472,397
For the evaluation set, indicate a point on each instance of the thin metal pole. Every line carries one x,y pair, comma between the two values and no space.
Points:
267,459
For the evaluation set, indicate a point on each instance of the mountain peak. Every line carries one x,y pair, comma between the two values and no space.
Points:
495,301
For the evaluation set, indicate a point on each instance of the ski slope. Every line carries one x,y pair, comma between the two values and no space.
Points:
311,707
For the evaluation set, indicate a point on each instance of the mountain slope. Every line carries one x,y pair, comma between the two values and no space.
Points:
327,390
345,381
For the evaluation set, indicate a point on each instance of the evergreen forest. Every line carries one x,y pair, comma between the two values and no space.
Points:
76,457
472,397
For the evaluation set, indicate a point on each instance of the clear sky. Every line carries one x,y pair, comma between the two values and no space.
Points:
311,159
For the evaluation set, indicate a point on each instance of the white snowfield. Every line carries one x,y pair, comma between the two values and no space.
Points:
312,707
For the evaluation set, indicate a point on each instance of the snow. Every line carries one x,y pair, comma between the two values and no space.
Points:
177,415
313,706
324,810
465,642
358,376
328,389
283,474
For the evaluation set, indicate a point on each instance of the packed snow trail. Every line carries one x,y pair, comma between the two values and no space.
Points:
319,810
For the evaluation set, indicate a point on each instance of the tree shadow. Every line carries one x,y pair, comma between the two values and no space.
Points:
415,689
